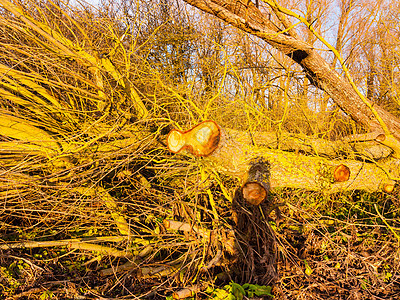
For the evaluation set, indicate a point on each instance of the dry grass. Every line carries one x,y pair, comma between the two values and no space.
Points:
87,186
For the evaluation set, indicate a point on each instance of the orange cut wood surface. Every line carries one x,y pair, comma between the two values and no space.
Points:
201,140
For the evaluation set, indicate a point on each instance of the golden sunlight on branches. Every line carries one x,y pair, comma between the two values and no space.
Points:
211,149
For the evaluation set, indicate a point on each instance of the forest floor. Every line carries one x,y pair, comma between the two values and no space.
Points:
339,247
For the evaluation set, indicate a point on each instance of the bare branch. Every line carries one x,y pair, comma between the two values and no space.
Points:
246,16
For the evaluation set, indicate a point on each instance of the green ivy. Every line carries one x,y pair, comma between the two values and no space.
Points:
234,291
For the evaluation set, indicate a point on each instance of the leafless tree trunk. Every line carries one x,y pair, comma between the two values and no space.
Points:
246,16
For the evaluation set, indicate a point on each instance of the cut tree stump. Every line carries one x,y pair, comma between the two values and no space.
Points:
256,186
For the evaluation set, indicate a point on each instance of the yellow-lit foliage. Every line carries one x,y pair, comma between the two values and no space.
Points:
87,98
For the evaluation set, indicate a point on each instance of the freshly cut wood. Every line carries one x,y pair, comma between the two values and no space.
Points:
388,188
256,186
261,167
341,173
380,138
201,140
254,193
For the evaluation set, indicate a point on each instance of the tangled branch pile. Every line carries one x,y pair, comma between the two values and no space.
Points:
93,204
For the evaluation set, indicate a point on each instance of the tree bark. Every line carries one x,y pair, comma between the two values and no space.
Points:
259,165
236,153
245,15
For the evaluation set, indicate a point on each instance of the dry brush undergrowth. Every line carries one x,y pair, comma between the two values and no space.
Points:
93,205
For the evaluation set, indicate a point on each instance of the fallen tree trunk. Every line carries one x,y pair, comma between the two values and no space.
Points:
238,154
296,170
